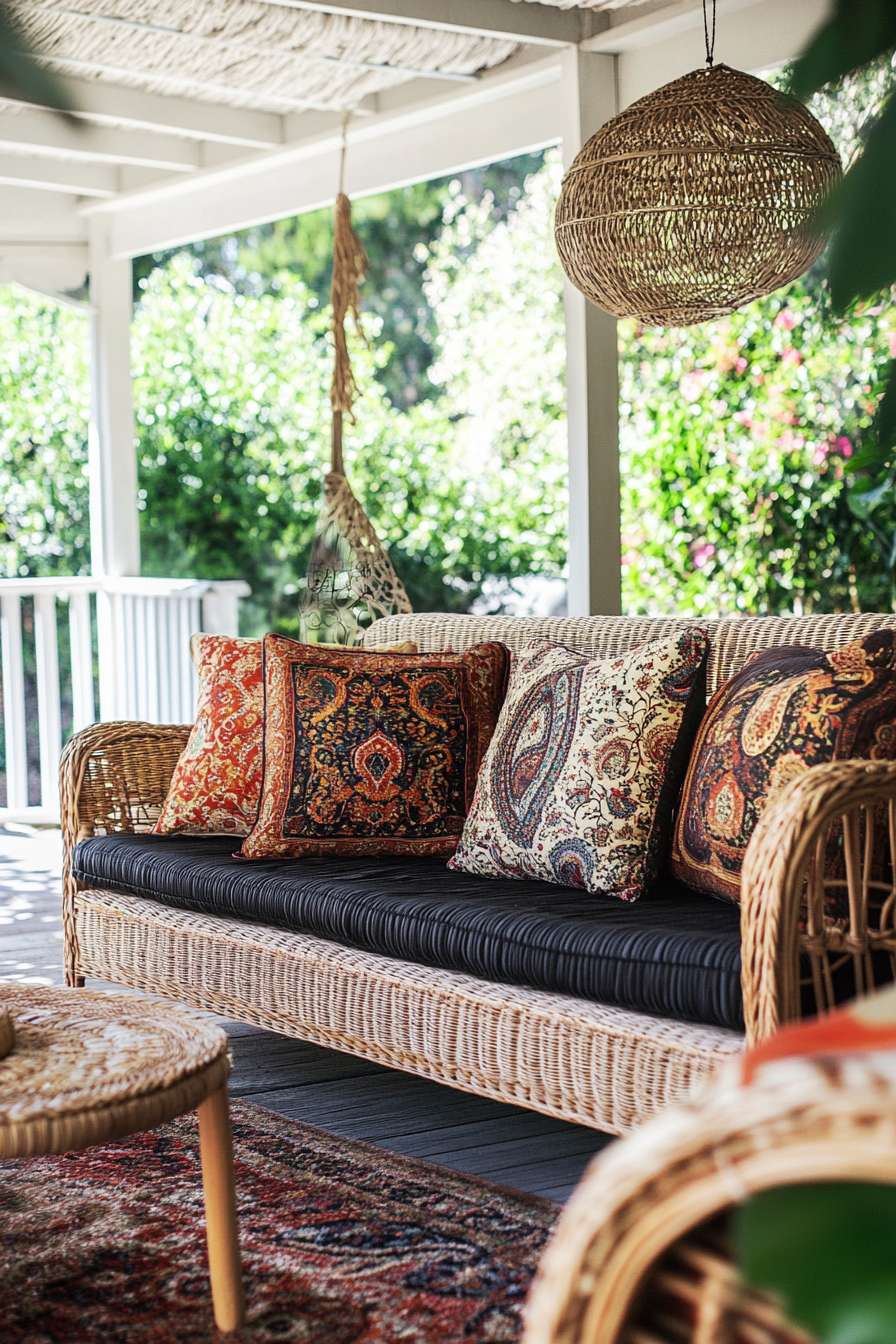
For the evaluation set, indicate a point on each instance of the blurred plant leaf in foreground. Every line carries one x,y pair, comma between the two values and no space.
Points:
828,1250
22,76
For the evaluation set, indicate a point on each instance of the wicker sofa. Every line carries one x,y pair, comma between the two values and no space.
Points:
599,1063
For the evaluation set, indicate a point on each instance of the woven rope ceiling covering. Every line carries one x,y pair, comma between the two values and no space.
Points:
245,53
592,4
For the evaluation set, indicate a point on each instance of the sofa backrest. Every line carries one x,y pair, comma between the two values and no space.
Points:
732,639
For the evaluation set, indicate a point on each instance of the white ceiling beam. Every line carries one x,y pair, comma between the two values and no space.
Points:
68,65
785,29
42,134
58,270
34,218
79,179
116,105
750,34
625,33
514,19
499,117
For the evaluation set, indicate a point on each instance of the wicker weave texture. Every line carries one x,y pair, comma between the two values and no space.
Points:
103,1066
580,1061
801,1120
695,200
785,881
7,1032
732,641
112,777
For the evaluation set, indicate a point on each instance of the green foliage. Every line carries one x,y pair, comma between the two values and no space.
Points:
44,526
231,391
857,33
740,440
736,438
398,229
860,35
750,475
828,1250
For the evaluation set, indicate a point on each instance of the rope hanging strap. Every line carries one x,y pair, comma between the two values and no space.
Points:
350,576
349,269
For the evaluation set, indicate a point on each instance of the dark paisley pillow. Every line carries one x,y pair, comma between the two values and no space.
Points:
372,753
785,711
579,783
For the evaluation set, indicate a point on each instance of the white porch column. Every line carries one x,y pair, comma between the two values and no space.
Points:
588,99
114,519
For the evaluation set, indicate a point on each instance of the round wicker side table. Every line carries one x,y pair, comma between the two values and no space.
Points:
89,1068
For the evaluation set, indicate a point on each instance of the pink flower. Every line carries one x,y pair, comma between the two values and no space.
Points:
741,364
791,356
693,384
789,440
785,319
820,455
844,447
703,554
742,418
891,342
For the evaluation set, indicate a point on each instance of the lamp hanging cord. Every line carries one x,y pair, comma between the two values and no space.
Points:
709,33
349,268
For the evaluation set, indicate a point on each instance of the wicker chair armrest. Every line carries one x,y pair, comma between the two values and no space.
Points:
112,777
115,776
786,849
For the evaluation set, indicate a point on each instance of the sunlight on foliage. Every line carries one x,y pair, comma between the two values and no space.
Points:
44,385
739,439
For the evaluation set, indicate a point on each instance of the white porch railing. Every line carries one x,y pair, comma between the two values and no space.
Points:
129,658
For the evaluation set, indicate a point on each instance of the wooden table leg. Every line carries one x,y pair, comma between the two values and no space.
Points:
225,1267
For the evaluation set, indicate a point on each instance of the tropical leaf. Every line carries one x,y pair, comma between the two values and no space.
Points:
858,31
21,76
828,1250
862,503
862,210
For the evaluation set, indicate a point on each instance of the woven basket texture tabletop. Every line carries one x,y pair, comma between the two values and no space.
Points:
79,1050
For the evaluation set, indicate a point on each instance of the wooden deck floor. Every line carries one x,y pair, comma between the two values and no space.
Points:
338,1092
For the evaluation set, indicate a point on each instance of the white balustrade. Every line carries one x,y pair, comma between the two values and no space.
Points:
141,654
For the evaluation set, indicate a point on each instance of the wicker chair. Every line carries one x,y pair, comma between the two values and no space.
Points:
641,1252
590,1063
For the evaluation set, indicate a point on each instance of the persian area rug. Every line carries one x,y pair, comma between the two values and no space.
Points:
342,1243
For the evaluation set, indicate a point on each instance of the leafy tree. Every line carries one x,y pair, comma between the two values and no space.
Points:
44,383
233,414
398,229
739,439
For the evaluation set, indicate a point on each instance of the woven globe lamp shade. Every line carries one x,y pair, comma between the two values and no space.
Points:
695,200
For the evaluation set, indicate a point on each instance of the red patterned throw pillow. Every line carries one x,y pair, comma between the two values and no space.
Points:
785,711
584,768
216,785
372,753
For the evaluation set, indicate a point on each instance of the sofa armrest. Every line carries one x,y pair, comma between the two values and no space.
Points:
113,777
784,912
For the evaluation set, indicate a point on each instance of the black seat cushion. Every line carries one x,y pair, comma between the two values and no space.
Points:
675,953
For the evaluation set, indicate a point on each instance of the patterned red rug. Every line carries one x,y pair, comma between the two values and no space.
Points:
343,1243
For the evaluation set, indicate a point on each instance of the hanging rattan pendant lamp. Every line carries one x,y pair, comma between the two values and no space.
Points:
350,579
697,199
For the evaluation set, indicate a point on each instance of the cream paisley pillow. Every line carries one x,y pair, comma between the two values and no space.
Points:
582,774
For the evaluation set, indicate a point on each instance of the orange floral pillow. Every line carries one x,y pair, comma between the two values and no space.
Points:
216,785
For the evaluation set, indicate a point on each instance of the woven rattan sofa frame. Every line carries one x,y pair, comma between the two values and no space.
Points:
589,1063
